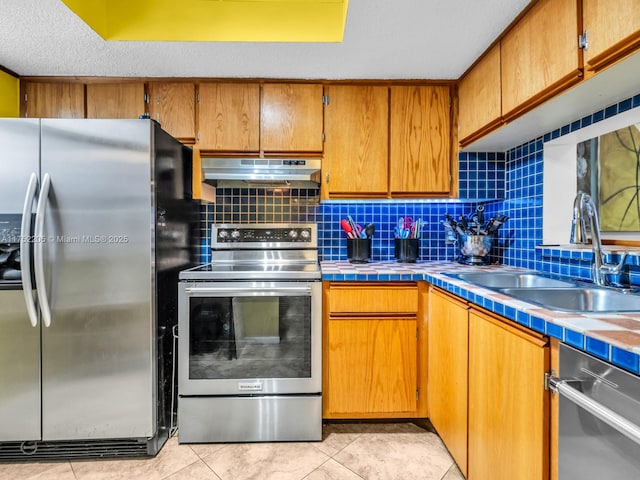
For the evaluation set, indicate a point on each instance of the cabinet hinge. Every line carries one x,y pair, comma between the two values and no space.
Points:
326,178
146,98
323,137
325,99
417,394
417,334
547,380
583,40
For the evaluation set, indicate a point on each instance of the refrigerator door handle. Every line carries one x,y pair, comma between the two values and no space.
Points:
25,250
38,251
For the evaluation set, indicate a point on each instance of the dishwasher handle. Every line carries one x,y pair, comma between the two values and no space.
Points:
608,416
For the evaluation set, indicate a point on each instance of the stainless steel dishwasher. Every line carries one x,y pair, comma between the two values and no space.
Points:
599,419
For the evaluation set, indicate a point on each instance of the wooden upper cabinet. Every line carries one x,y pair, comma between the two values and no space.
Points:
479,98
115,100
53,100
173,105
291,117
229,117
420,155
356,147
540,56
613,30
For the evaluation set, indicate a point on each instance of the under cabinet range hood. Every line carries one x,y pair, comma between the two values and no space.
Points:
262,172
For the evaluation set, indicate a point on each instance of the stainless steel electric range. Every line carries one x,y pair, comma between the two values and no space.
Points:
250,337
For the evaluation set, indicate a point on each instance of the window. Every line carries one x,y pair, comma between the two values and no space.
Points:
608,169
604,160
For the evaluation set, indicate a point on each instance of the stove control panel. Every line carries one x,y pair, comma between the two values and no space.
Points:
264,234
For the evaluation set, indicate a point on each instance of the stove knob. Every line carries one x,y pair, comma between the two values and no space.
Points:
293,234
235,235
223,234
305,234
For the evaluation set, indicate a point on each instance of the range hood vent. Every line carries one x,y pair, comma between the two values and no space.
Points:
262,172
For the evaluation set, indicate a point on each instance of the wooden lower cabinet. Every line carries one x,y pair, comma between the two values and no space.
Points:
486,391
372,350
447,372
508,405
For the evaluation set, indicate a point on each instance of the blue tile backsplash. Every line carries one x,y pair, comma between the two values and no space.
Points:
505,182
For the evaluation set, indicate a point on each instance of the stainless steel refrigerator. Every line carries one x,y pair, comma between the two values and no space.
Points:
97,219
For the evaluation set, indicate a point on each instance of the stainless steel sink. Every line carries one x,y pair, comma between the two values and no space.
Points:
578,299
511,279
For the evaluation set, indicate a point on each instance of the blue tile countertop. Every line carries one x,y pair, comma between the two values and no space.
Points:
611,337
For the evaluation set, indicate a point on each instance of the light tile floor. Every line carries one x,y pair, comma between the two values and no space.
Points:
348,451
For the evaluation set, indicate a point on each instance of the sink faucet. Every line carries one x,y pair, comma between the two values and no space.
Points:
603,274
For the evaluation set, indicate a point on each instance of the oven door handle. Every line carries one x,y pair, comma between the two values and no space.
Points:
608,416
251,291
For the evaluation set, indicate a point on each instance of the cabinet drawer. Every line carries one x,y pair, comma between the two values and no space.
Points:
376,298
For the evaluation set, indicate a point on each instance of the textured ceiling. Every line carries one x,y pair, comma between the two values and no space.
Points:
384,39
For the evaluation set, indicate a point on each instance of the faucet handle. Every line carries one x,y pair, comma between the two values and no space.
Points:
615,267
614,275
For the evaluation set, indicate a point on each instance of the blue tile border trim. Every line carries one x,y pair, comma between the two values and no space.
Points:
598,348
574,339
627,360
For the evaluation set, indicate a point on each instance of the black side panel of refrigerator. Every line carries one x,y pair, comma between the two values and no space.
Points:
176,230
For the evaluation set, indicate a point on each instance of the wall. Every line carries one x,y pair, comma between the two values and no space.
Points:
9,95
523,203
482,178
514,177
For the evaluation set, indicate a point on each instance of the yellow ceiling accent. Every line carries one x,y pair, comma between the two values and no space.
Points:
215,20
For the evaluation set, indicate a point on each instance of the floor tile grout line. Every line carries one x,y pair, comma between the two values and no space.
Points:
187,466
336,453
73,470
328,460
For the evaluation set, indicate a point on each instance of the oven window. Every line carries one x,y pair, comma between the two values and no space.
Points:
250,337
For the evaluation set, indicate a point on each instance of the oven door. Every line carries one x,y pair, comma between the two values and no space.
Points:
249,338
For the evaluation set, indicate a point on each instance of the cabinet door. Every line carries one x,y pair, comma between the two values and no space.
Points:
447,373
420,156
479,98
291,117
356,145
173,105
372,367
613,28
508,405
115,100
53,100
540,55
229,117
